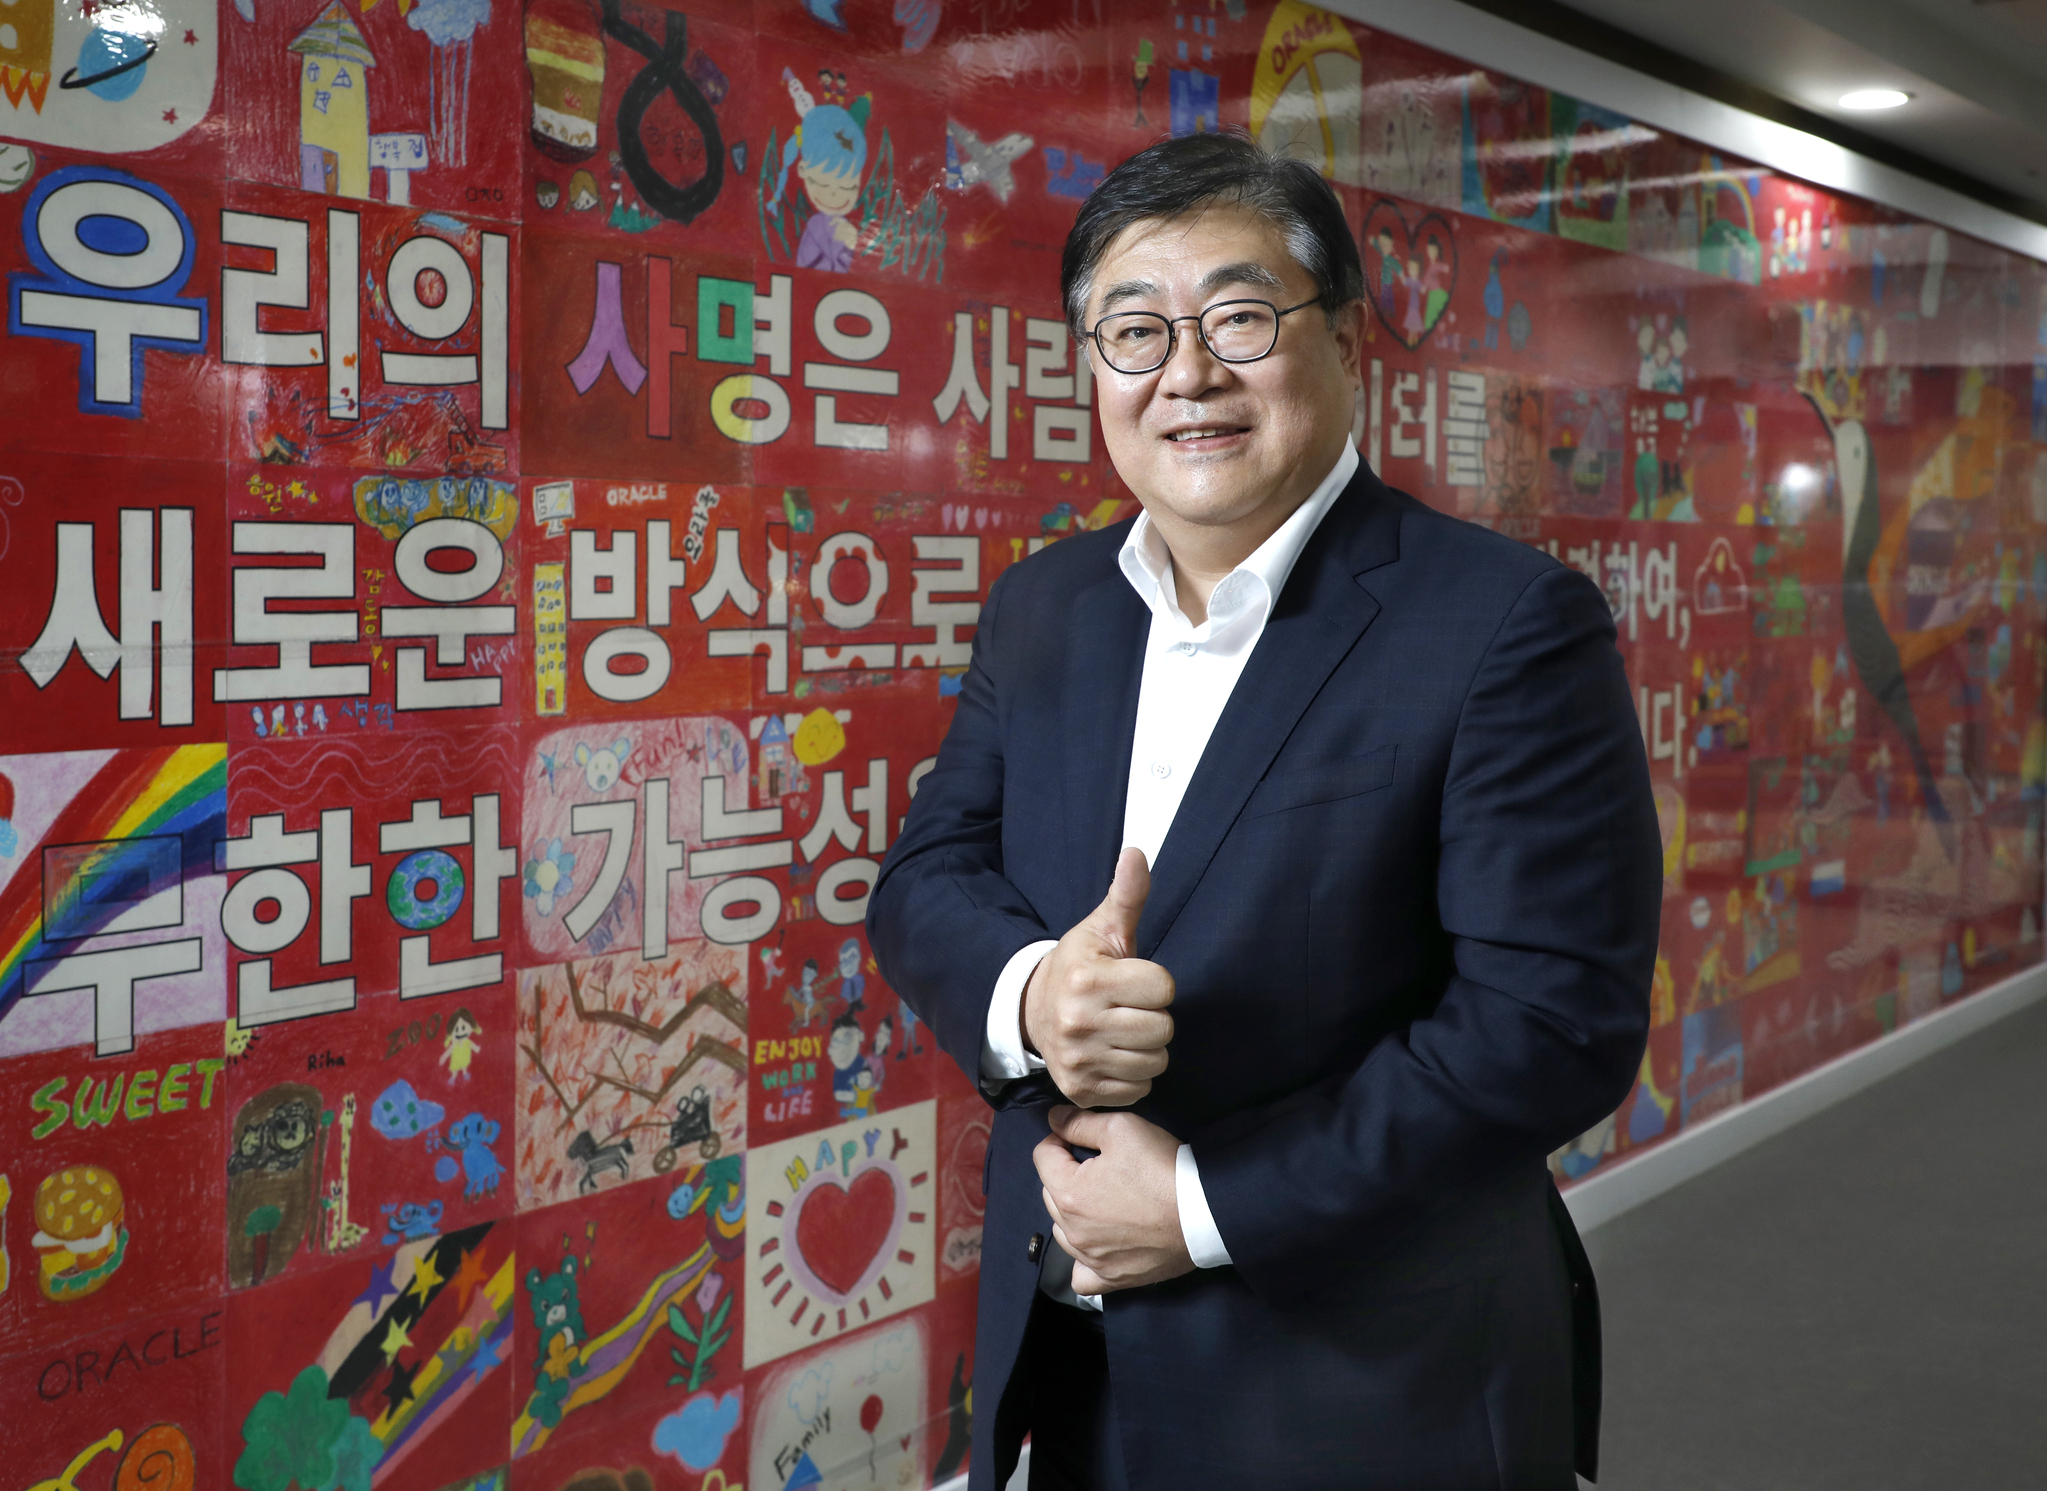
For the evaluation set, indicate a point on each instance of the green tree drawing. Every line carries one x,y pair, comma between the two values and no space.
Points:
303,1440
356,1454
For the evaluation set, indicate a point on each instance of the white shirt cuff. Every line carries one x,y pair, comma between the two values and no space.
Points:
1003,1057
1197,1223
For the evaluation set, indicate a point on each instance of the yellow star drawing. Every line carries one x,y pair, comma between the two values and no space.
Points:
395,1340
424,1275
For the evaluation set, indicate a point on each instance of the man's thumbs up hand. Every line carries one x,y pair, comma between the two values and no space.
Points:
1115,920
1095,1013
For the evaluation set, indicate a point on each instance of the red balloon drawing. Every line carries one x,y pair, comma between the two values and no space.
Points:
870,1412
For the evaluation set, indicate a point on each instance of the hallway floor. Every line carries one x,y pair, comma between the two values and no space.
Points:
1859,1303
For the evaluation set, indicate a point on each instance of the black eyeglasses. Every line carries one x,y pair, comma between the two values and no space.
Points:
1232,331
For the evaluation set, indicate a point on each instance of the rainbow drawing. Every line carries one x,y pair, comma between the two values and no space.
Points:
611,1355
472,1351
439,1300
147,819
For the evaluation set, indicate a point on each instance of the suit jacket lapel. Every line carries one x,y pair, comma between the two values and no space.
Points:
1321,613
1103,667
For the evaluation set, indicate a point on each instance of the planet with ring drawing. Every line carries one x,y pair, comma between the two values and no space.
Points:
111,64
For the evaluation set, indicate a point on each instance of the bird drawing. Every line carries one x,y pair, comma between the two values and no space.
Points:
1870,644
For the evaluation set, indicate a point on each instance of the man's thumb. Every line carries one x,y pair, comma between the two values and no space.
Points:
1118,915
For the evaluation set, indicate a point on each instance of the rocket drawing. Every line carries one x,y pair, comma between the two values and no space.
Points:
1870,643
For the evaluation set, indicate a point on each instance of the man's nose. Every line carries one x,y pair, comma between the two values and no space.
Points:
1191,369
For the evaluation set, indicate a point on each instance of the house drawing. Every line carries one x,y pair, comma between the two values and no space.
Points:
777,763
334,113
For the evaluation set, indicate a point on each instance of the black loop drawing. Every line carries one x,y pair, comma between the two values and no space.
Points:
664,73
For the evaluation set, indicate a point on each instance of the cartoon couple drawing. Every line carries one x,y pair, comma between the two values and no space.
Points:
1426,287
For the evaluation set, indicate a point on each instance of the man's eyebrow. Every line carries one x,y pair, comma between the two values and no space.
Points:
1127,290
1245,272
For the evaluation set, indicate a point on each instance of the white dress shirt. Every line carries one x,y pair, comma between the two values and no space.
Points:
1189,673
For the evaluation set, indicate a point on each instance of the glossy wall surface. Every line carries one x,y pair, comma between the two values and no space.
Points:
494,506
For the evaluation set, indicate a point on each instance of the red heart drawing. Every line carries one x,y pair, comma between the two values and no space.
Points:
1410,271
839,1232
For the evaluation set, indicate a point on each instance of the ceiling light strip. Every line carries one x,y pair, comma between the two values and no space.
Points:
1473,35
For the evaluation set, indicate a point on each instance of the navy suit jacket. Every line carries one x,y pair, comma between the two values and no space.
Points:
1410,903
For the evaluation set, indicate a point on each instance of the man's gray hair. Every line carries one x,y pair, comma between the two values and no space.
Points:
1176,177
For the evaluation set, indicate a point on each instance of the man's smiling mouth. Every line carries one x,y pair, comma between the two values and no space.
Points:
1206,433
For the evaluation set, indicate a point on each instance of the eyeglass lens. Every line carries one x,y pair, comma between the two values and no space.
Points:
1235,331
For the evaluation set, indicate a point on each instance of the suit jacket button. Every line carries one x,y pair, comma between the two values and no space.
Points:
1035,1246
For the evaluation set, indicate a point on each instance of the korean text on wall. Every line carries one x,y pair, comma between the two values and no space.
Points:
494,507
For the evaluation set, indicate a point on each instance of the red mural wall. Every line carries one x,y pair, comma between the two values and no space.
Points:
494,506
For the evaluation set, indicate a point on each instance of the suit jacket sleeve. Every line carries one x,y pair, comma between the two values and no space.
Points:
943,920
1548,885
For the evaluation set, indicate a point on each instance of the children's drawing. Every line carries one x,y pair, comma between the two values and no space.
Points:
823,201
629,1068
273,1180
1410,270
842,1230
971,161
109,79
459,1045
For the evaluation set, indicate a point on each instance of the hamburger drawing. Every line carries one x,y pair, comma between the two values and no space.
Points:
79,1233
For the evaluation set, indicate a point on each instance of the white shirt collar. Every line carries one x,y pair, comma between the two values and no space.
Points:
1244,598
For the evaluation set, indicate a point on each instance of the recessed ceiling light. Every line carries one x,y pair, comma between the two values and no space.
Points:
1875,98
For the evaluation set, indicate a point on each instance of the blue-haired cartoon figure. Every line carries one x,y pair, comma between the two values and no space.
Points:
827,153
830,191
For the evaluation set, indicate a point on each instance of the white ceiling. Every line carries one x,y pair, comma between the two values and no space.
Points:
1521,39
1977,69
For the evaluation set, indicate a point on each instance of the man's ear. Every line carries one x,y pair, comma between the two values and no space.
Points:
1349,332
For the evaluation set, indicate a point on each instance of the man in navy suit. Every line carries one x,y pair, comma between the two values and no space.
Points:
1288,880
